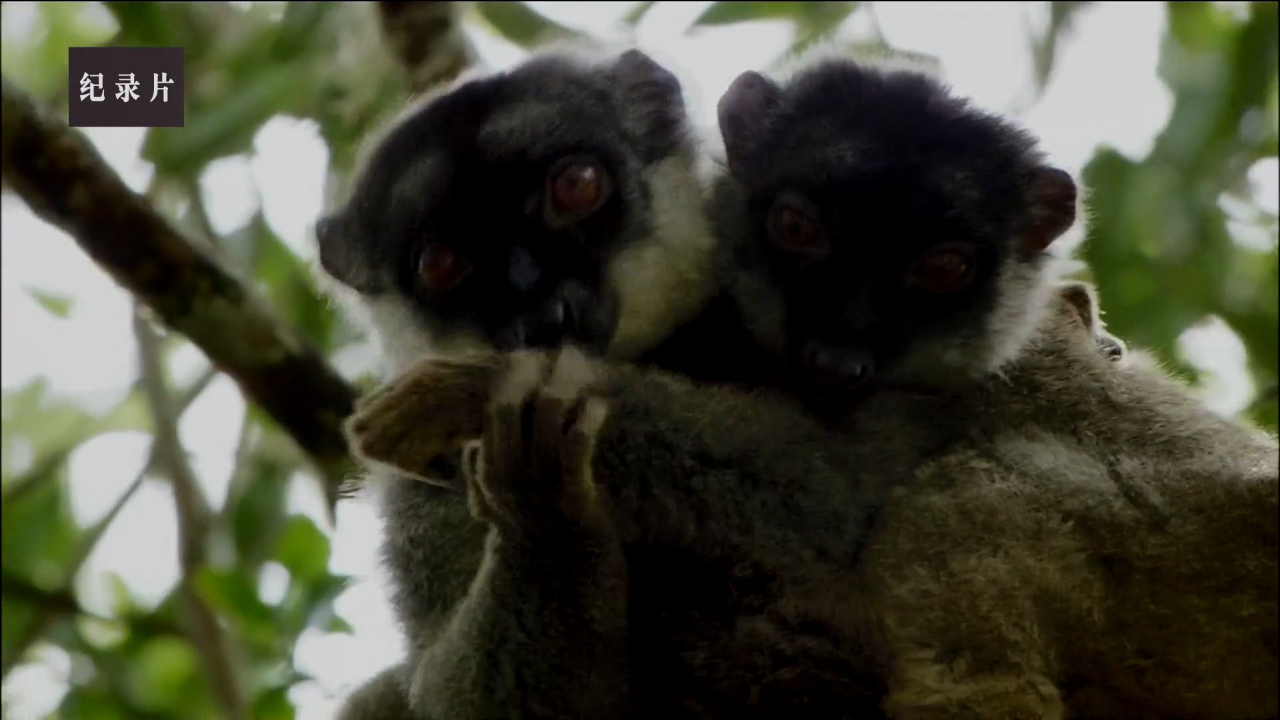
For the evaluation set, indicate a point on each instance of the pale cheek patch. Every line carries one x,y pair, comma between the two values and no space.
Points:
405,343
1025,295
665,280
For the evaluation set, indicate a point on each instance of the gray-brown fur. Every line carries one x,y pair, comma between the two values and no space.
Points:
705,476
749,483
1099,545
1092,542
458,170
1056,523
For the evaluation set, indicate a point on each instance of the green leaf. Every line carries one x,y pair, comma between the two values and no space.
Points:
226,125
291,288
15,617
303,549
273,705
38,536
1044,50
637,13
236,598
256,509
59,305
1199,26
297,28
311,604
337,625
728,13
142,24
521,24
163,673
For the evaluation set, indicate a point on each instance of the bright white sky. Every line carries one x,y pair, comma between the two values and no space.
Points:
1104,91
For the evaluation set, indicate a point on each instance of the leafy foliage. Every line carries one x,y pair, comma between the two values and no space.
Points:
1163,250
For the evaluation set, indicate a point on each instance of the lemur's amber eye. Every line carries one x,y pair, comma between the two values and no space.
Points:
576,187
795,230
440,268
945,269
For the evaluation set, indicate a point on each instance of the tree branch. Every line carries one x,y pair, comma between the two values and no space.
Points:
193,522
66,182
427,40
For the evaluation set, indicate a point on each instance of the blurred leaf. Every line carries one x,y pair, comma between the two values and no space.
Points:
290,286
728,13
637,13
521,24
95,703
813,21
54,427
297,28
227,127
121,600
38,535
309,604
273,705
102,634
1199,26
164,674
143,23
1158,223
337,625
256,510
59,305
14,619
1044,50
234,597
38,60
303,549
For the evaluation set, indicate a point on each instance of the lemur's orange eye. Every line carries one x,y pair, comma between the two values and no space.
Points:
441,269
576,187
944,269
795,230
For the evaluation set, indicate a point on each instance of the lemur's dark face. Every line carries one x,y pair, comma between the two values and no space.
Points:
499,211
901,230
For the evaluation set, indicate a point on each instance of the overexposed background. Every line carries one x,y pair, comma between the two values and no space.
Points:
1104,91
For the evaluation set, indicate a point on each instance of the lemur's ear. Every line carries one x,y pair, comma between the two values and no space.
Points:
743,113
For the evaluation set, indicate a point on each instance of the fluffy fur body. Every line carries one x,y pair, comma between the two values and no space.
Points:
463,169
715,489
1031,561
1062,536
1093,541
1096,545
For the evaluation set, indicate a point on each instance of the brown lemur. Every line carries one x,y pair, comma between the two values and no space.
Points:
438,544
1094,542
559,202
1068,537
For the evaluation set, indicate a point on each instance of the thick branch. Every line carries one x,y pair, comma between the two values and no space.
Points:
427,40
65,181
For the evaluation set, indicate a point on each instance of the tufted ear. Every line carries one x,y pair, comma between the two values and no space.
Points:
338,257
1050,208
1080,296
743,112
655,102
